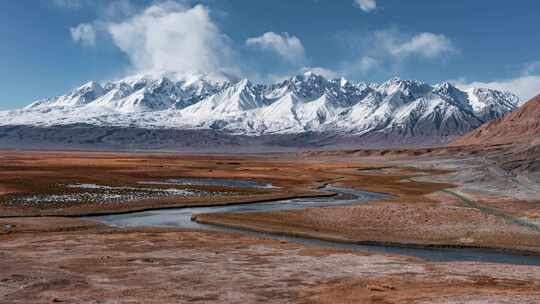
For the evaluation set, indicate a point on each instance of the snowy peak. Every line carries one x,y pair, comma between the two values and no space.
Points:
78,97
446,89
241,96
490,104
410,89
307,85
302,103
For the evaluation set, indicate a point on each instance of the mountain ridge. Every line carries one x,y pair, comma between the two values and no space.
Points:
302,103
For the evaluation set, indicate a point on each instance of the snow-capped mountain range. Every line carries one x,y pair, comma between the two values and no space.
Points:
303,103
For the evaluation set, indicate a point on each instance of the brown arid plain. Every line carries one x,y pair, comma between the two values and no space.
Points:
48,254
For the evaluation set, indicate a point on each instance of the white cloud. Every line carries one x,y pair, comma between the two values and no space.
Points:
366,5
525,87
427,45
169,36
384,52
288,47
84,33
362,66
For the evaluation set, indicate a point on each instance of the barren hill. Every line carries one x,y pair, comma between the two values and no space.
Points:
520,126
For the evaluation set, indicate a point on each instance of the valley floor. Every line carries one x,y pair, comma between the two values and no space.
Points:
101,265
47,257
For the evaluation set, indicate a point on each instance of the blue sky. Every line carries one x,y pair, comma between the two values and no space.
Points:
48,47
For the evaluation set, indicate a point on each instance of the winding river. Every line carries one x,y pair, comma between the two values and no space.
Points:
181,218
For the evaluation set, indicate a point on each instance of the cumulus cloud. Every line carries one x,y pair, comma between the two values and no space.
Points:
288,47
169,36
366,5
427,45
84,33
525,87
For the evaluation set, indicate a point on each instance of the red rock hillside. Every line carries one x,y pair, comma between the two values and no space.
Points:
521,126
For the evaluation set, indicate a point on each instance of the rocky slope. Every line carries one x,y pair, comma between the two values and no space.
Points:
522,125
518,135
